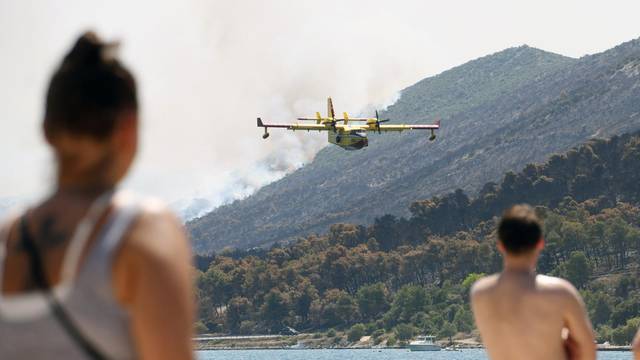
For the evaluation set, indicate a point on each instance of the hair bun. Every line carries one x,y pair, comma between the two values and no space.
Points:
90,50
90,90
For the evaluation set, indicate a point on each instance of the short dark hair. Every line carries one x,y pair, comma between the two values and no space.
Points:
520,229
90,90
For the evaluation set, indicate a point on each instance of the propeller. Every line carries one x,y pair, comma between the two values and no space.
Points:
333,123
378,121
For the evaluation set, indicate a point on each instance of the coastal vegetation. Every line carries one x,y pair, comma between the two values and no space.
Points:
401,276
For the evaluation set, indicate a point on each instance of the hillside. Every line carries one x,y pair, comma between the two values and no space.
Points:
403,276
498,112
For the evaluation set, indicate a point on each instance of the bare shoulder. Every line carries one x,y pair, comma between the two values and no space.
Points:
559,287
484,286
156,232
155,215
555,283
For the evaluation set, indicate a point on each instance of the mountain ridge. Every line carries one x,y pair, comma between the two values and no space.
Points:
491,107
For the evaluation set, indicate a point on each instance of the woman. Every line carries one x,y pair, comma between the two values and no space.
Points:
91,273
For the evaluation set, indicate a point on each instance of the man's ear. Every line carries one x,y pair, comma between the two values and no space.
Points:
540,244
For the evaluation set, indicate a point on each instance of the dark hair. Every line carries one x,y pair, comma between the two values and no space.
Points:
519,229
90,90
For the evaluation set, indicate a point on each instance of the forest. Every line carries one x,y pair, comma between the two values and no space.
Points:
404,276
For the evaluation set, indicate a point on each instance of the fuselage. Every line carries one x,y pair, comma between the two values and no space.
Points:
349,139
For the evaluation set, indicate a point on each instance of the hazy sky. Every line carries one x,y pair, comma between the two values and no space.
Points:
206,69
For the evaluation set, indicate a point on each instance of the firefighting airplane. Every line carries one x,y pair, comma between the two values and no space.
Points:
342,133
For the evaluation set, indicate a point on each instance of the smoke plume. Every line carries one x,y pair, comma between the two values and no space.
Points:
280,60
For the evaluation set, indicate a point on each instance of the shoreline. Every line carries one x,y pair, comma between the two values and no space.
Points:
305,342
609,349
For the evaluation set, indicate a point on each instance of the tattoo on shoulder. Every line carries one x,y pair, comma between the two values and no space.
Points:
50,235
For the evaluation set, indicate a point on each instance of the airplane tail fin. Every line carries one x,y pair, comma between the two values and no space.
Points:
330,112
346,118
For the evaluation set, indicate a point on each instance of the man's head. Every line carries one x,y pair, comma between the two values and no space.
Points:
520,231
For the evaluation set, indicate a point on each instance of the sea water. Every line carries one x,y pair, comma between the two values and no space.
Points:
367,354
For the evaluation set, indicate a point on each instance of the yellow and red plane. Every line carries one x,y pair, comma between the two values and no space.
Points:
344,134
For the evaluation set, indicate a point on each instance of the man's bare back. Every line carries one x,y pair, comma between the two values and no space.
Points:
522,315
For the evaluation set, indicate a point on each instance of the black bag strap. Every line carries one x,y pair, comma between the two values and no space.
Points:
59,312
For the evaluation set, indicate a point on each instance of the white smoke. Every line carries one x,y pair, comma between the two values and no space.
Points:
280,60
291,153
207,69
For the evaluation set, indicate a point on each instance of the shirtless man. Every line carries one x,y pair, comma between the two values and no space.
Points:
523,315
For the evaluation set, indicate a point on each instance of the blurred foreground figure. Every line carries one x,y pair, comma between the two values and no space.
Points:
92,273
522,315
636,346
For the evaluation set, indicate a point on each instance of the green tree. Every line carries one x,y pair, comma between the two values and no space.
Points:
391,341
604,333
339,308
303,297
625,310
448,330
463,320
213,286
623,335
200,328
420,320
577,269
624,286
238,310
404,332
617,234
274,309
409,300
372,300
600,308
247,327
356,332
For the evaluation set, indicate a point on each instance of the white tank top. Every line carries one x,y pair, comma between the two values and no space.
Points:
28,329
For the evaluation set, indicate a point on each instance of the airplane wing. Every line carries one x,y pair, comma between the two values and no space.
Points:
402,127
318,127
406,127
355,119
343,120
